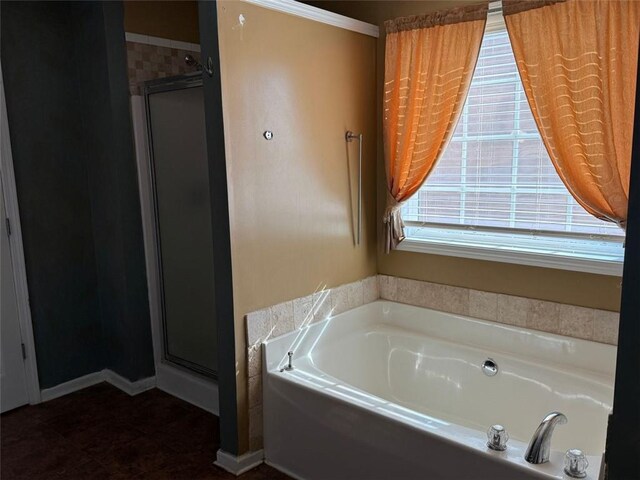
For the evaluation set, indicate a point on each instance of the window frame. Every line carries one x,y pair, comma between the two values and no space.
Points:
565,252
444,242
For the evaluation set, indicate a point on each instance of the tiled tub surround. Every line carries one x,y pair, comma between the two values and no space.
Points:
572,321
272,322
559,318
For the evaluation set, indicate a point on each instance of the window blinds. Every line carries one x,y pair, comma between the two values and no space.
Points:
495,171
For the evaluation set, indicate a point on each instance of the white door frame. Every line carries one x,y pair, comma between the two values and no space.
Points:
169,378
8,179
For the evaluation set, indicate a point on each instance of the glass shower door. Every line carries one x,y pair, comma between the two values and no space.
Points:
180,174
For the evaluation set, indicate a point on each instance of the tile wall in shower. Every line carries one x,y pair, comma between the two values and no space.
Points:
148,62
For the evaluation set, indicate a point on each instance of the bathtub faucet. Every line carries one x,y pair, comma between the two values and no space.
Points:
540,444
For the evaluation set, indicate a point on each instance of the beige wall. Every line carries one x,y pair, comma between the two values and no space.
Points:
292,199
165,19
596,291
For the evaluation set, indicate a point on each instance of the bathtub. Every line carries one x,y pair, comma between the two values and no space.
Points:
392,391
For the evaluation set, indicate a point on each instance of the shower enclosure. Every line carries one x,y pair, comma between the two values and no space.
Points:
181,217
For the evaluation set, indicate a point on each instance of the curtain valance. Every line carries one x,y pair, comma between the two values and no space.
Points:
511,7
445,17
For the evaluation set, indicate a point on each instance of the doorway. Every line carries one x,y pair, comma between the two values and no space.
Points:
182,206
13,379
18,371
176,211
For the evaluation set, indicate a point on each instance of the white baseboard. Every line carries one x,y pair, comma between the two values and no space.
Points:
286,471
127,386
71,386
188,387
239,465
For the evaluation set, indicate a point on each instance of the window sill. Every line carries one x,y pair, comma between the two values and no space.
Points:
550,252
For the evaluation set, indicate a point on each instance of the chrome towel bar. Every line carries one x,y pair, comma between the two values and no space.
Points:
349,137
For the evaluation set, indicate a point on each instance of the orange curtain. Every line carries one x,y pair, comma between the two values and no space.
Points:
577,61
429,63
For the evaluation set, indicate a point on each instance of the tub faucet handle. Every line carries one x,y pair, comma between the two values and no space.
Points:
289,363
575,463
497,438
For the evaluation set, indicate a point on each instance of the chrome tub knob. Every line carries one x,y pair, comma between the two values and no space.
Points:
497,438
575,463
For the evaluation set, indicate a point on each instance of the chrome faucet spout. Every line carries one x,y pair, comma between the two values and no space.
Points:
540,444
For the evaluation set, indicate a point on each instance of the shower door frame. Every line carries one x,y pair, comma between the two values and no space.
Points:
167,84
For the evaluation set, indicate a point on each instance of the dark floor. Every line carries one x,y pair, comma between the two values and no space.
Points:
103,433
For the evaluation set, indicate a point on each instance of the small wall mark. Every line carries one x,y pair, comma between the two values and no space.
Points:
240,25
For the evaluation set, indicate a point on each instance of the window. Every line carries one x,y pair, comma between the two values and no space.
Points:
495,188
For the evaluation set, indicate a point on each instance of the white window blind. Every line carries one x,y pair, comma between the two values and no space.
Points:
495,174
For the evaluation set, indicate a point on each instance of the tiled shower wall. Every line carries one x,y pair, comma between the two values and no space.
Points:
148,62
579,322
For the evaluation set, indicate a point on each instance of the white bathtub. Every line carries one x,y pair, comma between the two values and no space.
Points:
391,391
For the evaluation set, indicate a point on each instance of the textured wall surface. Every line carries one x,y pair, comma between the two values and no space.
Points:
53,193
64,69
292,199
113,183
